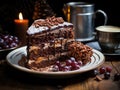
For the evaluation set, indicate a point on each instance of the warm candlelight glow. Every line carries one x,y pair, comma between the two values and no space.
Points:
20,16
21,25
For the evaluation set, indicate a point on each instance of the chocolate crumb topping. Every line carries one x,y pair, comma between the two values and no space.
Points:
49,22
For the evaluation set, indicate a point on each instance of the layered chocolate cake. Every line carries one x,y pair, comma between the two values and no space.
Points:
50,39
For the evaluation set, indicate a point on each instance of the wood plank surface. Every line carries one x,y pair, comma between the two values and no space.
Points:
93,84
12,79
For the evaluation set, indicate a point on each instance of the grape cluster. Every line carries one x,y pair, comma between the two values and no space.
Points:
69,65
8,41
106,72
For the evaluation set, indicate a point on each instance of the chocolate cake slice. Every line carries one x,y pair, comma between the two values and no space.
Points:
46,41
50,39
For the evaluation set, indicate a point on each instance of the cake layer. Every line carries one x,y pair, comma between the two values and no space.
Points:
42,62
49,24
46,49
65,33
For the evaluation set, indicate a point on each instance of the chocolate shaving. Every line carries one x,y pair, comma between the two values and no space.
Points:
49,22
98,78
80,51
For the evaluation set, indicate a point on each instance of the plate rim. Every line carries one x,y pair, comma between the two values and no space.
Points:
51,73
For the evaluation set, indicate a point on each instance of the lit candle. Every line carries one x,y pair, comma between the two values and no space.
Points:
21,26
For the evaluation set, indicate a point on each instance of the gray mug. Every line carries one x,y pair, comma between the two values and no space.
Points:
108,37
82,15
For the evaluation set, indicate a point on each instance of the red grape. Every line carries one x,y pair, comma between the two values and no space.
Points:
102,70
108,69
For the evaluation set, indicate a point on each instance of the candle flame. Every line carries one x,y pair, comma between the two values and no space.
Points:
20,16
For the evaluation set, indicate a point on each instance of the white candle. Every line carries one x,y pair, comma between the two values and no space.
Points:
21,26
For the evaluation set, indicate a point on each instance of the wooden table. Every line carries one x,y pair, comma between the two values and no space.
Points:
12,79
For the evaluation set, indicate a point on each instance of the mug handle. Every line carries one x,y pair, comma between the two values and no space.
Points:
105,19
104,14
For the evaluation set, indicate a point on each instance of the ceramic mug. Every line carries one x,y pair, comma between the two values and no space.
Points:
108,37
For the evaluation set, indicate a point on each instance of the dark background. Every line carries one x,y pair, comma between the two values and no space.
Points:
9,10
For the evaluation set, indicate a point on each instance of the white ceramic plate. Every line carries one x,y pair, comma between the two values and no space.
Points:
14,56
